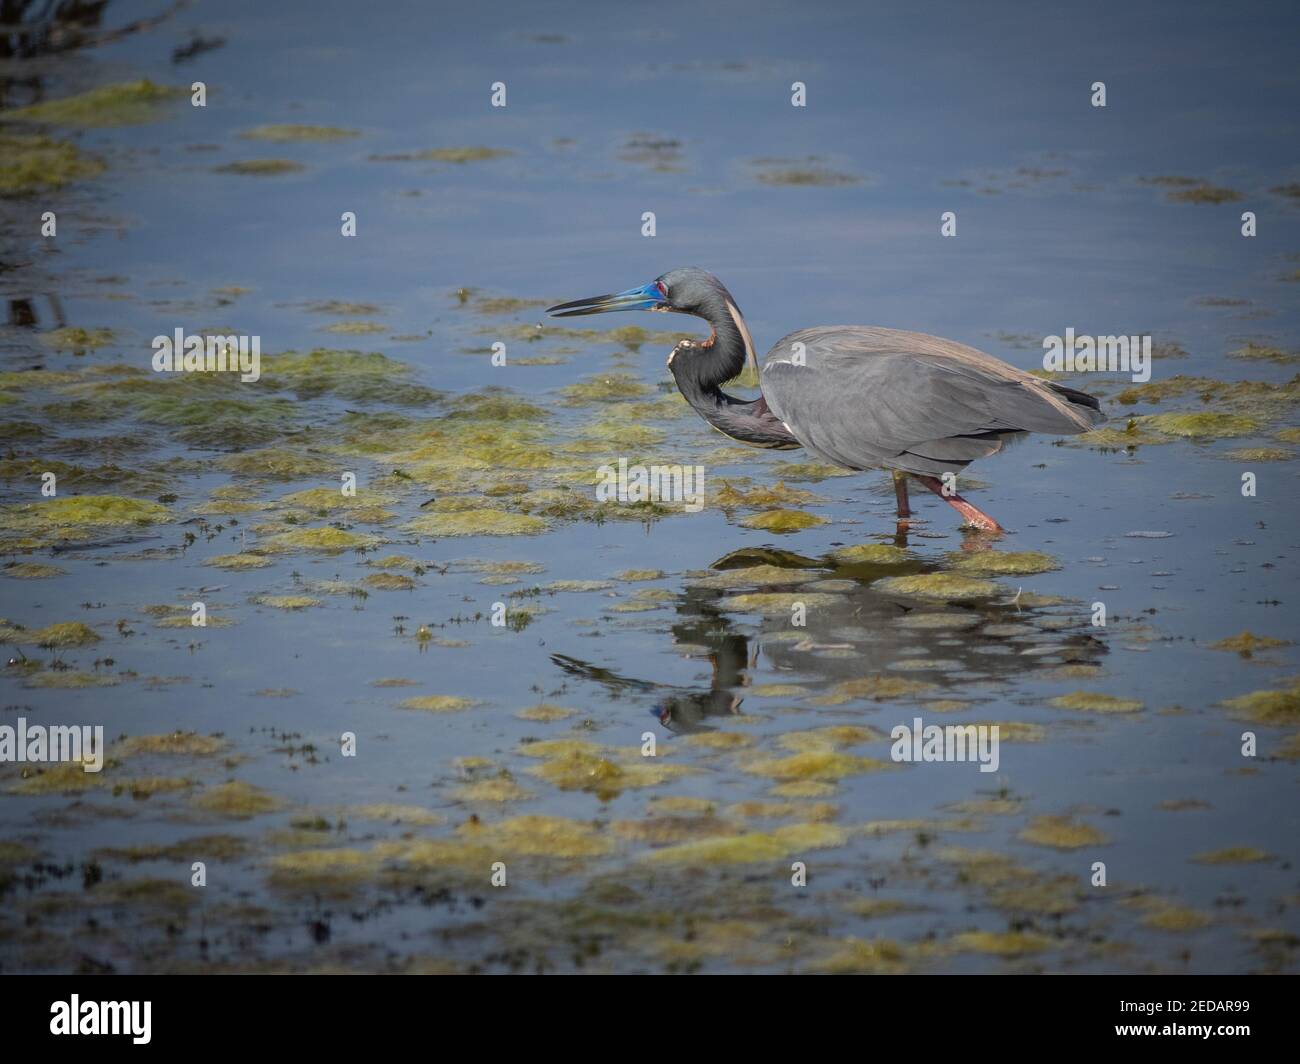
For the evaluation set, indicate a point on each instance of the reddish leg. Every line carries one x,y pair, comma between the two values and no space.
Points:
900,493
973,515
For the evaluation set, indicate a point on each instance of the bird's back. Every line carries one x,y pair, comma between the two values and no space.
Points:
863,396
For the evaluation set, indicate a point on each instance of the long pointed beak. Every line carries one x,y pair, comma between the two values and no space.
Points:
647,297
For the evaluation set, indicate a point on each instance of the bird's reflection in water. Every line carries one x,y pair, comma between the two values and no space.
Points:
853,633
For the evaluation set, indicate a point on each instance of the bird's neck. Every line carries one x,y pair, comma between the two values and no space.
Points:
701,368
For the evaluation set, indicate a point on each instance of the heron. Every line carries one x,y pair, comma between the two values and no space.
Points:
856,396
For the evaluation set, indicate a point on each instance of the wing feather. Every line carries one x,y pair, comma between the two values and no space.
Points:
865,397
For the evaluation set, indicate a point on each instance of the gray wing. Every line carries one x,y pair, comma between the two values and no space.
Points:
863,397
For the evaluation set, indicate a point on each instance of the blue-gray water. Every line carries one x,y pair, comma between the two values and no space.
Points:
828,213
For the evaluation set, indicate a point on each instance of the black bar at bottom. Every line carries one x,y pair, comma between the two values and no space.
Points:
232,1013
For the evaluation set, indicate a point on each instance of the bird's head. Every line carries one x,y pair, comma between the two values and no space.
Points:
687,290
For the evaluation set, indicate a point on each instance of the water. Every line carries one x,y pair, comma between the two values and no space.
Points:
929,867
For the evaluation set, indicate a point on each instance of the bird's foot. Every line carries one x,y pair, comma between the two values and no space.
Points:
974,516
977,520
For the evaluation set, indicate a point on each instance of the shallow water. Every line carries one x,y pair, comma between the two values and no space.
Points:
617,861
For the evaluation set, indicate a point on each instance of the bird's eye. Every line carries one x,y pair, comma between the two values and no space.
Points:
663,289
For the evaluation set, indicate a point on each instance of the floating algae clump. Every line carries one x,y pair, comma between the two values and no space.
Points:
538,836
880,955
289,133
64,778
286,602
1176,918
444,155
276,463
545,713
878,688
389,582
1207,425
70,680
1000,943
356,328
1280,707
1095,702
871,554
718,740
329,872
808,813
944,587
188,744
1061,833
574,764
238,562
77,339
439,703
762,496
498,789
225,847
994,562
31,571
1015,731
259,167
76,518
818,176
1046,897
783,520
1233,855
1246,643
1264,353
391,813
771,603
31,164
1204,193
633,576
603,777
322,539
751,847
578,586
1260,454
67,634
816,765
171,616
221,424
237,800
663,830
830,738
476,523
124,104
332,499
755,576
604,387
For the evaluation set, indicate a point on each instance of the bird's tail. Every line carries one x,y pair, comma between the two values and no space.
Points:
1085,407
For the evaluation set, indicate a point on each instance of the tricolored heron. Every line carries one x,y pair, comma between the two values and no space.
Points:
857,396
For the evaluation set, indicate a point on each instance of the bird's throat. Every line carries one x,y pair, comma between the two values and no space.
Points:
702,367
